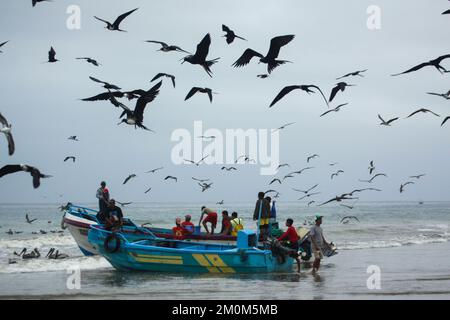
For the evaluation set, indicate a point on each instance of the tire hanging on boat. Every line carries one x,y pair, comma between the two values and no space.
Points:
108,239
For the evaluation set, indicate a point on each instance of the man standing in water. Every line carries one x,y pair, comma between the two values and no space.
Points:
317,243
102,196
262,212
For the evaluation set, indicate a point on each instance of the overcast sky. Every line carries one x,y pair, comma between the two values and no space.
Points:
41,100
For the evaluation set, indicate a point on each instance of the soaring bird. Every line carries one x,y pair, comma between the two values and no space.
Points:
90,60
6,129
338,108
148,190
432,63
167,48
34,172
275,180
200,55
123,204
339,87
337,199
445,120
283,165
131,176
308,195
205,186
52,55
74,138
136,117
246,159
301,170
230,35
306,88
194,90
360,190
371,179
171,177
30,221
228,168
115,26
311,202
402,186
443,95
288,176
346,219
262,76
106,85
200,180
70,157
336,174
446,12
2,44
418,176
306,191
311,157
197,163
386,123
159,75
154,170
424,111
270,58
221,202
283,126
34,2
371,167
356,73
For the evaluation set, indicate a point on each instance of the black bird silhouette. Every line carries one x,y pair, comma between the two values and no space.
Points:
106,85
446,12
228,168
154,170
275,180
306,191
6,129
167,48
200,180
123,204
262,76
443,95
445,120
230,35
148,190
2,44
337,199
371,167
336,174
34,2
386,123
338,108
300,171
311,157
159,75
131,176
432,63
305,88
200,55
198,162
52,55
70,157
339,87
270,58
371,179
402,186
28,219
194,90
34,172
418,176
283,126
115,26
356,73
136,117
308,195
171,177
90,60
74,138
424,111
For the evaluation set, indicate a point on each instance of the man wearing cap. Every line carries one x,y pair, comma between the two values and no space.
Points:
317,242
187,225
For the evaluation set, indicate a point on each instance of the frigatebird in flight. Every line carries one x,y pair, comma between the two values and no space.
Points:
159,75
34,172
230,35
200,55
432,63
6,129
339,87
288,89
115,25
356,73
90,60
194,90
167,48
386,123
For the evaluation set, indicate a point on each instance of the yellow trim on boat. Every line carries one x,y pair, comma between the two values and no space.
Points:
201,259
148,258
218,262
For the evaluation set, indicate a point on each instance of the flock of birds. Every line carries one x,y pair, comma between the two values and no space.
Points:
135,116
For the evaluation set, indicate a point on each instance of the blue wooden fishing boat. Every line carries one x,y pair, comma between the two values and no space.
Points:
176,256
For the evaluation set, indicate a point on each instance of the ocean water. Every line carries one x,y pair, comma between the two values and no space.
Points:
407,241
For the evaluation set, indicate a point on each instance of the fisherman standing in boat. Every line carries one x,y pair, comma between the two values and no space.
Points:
226,224
102,196
262,214
211,217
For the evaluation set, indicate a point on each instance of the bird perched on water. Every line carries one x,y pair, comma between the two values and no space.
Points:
115,25
288,89
73,138
386,123
338,108
443,95
154,170
52,56
200,55
6,130
402,186
131,176
445,120
90,60
172,178
270,58
159,75
106,85
339,87
311,157
136,117
30,221
356,73
34,172
432,63
2,44
424,111
167,48
194,90
371,179
34,2
69,158
230,35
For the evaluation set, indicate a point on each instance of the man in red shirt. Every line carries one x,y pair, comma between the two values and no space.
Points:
178,230
187,225
291,235
226,224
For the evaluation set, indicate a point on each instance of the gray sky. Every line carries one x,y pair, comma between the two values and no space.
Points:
332,39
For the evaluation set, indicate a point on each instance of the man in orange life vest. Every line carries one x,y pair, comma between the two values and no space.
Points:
187,225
